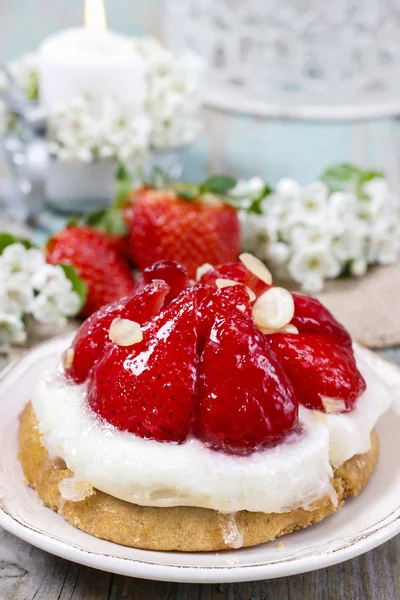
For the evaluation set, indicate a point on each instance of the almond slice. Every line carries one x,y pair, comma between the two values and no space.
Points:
257,267
333,405
202,270
289,328
125,332
223,283
67,357
273,309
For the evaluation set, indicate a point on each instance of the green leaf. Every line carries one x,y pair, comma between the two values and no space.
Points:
217,184
78,285
187,191
343,172
186,194
123,185
256,205
6,239
337,177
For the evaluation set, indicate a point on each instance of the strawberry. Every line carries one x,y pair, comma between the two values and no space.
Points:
222,302
318,368
169,271
310,316
245,400
148,388
98,262
164,225
92,337
236,272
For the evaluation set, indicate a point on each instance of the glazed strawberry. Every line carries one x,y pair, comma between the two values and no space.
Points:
98,262
236,272
148,388
169,271
319,369
245,400
221,303
93,335
310,316
163,225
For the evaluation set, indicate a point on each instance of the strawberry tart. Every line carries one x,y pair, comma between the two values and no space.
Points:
203,416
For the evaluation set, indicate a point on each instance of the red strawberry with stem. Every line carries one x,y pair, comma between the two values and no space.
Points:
245,400
148,388
93,336
98,262
192,228
323,373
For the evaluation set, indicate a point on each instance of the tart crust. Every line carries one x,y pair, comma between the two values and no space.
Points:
181,528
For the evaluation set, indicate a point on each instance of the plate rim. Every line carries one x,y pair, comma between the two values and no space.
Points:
376,534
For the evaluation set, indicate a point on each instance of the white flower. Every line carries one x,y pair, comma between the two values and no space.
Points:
248,188
377,188
288,188
45,310
309,235
302,236
318,260
34,260
12,330
17,259
358,267
56,298
312,283
51,276
16,294
277,253
12,259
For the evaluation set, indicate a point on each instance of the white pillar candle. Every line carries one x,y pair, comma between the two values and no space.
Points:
85,60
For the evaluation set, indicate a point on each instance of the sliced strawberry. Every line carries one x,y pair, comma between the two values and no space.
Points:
310,316
148,388
92,336
169,271
236,272
245,400
221,302
318,368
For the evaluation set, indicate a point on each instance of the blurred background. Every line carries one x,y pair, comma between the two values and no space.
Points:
233,142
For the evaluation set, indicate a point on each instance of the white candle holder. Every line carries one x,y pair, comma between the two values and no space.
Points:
66,155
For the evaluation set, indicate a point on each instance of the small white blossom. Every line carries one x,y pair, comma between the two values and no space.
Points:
278,253
12,330
309,235
16,294
358,267
45,310
56,298
30,286
51,277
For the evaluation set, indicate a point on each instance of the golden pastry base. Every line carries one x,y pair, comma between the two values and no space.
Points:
185,529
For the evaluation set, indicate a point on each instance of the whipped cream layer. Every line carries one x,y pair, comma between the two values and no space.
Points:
293,474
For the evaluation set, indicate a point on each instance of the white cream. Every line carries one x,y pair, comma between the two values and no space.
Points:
150,473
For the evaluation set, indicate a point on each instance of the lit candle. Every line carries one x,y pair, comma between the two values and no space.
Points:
89,59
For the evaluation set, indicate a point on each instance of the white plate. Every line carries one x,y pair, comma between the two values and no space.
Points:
361,525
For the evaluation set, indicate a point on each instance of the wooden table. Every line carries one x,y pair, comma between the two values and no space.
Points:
27,573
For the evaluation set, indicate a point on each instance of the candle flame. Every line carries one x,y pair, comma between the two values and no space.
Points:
95,15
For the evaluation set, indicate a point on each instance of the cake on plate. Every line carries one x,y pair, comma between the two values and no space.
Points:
203,416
